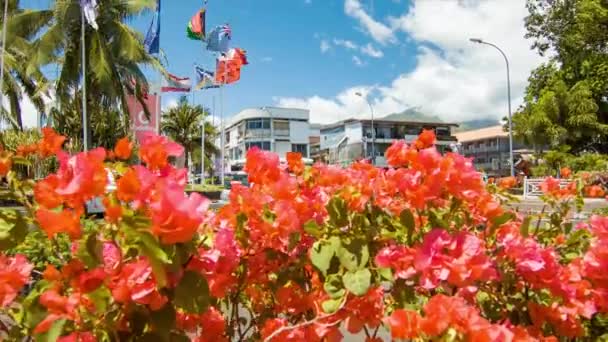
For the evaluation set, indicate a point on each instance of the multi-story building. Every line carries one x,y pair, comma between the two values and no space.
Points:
351,140
279,130
315,142
489,148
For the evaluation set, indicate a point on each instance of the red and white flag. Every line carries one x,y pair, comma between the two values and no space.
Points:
176,84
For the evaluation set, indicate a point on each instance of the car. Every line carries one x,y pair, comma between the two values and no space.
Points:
95,206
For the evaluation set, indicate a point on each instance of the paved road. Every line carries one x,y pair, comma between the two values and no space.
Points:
535,205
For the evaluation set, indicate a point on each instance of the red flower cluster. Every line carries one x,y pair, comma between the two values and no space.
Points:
14,274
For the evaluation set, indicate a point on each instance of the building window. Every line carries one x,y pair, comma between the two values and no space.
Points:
281,128
262,145
300,148
258,124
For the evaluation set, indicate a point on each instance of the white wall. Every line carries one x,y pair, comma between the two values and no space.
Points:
354,132
299,132
282,147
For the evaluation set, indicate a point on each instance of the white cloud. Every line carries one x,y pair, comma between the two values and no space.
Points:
453,78
357,61
371,51
325,46
346,44
380,32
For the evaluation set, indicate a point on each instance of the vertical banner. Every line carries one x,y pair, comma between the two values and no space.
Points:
139,122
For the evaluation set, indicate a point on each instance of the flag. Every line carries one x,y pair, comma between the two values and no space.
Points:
176,84
196,26
152,41
239,55
204,79
219,38
227,71
89,8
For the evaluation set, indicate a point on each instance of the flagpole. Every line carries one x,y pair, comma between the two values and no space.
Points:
203,149
4,20
85,126
223,133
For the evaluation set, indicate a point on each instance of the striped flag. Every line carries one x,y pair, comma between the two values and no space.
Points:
204,79
196,26
176,84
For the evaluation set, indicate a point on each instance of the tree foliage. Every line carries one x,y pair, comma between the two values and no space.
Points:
566,100
183,124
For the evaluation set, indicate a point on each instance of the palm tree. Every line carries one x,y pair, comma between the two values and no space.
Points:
21,27
114,54
107,125
182,124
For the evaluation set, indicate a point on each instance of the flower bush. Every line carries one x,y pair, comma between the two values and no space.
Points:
423,250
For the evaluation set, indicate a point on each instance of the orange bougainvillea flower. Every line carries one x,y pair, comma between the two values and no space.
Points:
65,221
113,211
404,324
51,273
51,142
595,191
6,162
295,163
14,274
128,186
155,150
426,139
507,182
176,217
565,172
123,149
83,176
45,192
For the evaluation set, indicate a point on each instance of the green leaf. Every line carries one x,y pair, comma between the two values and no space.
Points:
54,333
294,239
89,250
322,252
101,298
525,226
192,293
157,257
353,255
163,320
312,228
407,220
331,305
357,282
13,229
502,219
333,286
338,212
385,273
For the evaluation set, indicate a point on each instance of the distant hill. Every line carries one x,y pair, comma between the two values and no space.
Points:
412,114
476,124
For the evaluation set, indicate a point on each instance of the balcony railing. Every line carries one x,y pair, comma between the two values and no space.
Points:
257,133
281,132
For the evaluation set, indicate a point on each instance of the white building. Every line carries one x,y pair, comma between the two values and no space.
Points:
279,130
349,140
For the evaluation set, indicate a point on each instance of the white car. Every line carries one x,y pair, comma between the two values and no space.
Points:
95,206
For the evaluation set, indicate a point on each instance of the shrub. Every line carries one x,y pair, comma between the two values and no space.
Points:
422,249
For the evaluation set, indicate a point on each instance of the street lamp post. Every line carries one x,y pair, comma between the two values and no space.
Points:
371,108
480,41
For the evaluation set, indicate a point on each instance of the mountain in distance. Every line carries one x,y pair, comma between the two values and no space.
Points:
476,124
414,114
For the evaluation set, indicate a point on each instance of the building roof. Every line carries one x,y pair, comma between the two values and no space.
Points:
269,112
389,120
480,134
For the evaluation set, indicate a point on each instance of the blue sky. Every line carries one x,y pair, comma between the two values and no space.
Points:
316,54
